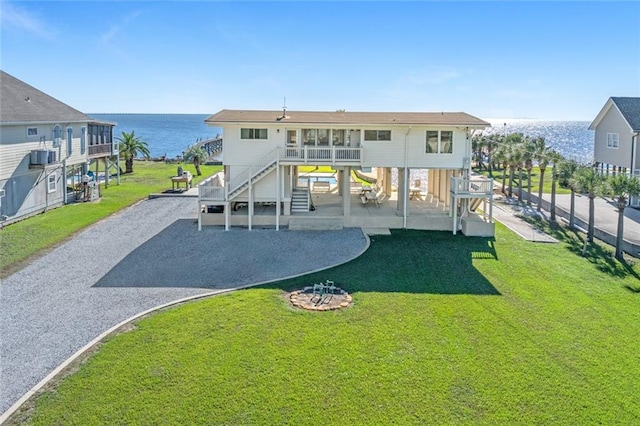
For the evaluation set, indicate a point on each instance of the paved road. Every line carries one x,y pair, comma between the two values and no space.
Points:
142,257
606,215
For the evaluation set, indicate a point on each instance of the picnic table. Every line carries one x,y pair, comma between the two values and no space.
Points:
185,178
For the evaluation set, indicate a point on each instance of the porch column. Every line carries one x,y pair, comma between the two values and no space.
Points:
106,172
435,187
278,193
346,191
447,182
386,180
340,177
442,194
401,191
250,203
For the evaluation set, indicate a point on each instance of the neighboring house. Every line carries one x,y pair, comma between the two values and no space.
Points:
46,147
617,136
262,152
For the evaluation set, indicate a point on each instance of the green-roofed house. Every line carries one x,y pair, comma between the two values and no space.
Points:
46,147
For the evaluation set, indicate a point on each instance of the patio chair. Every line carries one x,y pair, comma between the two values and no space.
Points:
414,190
331,288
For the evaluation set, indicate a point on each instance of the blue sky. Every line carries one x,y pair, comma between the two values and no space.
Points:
548,60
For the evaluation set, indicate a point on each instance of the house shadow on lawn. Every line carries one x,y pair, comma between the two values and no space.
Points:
182,256
409,261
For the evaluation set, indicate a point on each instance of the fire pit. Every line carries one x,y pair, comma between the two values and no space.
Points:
320,297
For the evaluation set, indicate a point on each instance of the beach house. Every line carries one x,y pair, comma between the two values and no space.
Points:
617,137
406,170
46,147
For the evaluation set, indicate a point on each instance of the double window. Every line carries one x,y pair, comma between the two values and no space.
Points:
253,133
315,137
439,142
377,135
613,140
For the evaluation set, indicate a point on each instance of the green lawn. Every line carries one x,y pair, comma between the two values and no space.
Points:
444,330
535,180
21,240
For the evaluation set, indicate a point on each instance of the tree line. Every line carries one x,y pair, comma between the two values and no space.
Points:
517,153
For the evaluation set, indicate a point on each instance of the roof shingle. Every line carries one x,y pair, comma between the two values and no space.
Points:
630,109
347,118
22,103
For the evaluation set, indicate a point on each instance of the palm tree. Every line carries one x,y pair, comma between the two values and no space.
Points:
130,147
566,172
491,141
620,187
528,150
588,180
501,156
555,158
197,154
541,155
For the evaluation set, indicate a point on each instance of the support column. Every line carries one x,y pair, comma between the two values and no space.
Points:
340,177
401,191
442,194
278,198
387,180
346,192
449,173
250,203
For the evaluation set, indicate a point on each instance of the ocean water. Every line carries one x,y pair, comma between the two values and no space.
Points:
171,134
165,134
573,139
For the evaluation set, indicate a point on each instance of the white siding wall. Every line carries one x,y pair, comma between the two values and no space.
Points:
244,152
613,122
392,154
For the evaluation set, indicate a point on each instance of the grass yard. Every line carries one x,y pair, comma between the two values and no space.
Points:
535,180
444,330
21,240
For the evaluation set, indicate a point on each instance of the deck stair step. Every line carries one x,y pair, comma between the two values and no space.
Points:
255,178
299,200
316,223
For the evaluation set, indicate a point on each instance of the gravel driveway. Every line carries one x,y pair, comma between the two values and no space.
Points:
142,257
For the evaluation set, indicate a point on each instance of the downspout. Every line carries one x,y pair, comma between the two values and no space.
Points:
634,152
406,179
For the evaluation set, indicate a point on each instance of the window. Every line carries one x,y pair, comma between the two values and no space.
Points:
613,140
432,141
83,140
377,135
439,142
69,140
323,137
52,184
338,137
292,137
32,131
253,133
57,135
309,136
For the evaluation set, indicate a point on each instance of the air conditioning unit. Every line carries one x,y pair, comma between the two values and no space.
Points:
39,157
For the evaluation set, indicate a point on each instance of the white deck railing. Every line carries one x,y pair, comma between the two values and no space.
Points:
479,186
212,188
242,179
311,154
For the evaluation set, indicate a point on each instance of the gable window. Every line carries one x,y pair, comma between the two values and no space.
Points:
253,133
69,140
83,140
613,140
439,142
32,131
52,184
377,135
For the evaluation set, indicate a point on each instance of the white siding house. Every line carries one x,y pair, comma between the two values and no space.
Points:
264,150
43,142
